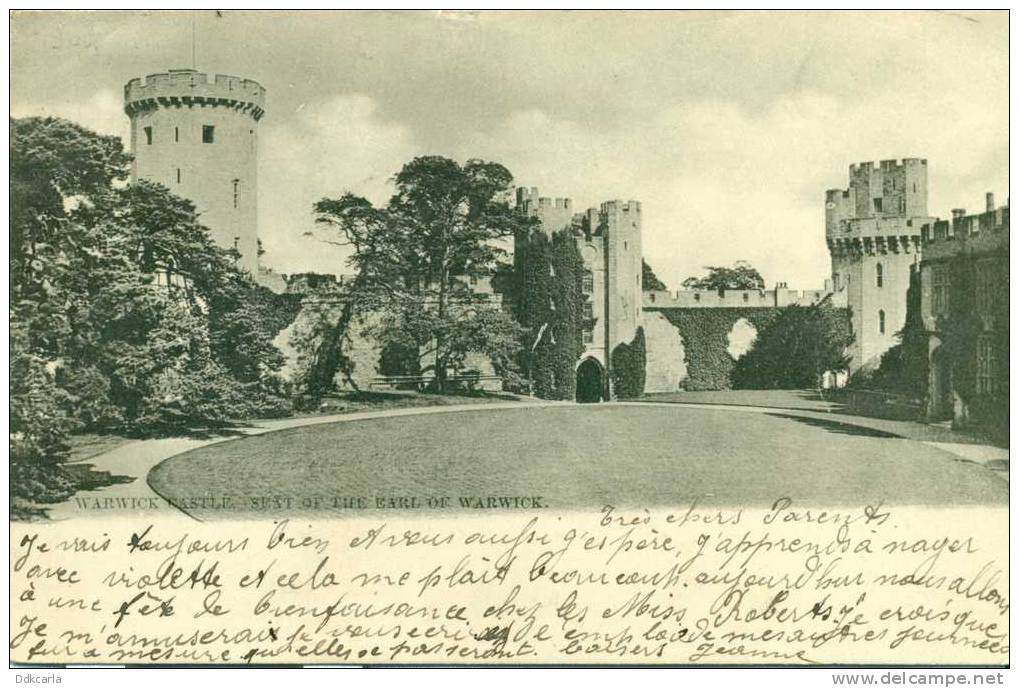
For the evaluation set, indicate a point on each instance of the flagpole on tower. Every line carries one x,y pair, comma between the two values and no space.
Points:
194,39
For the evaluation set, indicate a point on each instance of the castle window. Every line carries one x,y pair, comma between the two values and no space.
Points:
148,136
208,133
877,205
940,286
236,182
880,275
176,134
588,336
746,296
588,310
626,245
178,175
985,279
914,187
881,321
986,378
588,282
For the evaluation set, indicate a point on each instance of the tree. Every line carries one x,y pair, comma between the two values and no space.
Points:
629,367
122,297
416,257
124,315
796,349
53,163
740,276
649,280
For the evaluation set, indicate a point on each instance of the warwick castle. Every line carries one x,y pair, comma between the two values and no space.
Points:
197,134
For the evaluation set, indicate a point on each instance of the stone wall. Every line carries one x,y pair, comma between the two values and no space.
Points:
666,358
696,348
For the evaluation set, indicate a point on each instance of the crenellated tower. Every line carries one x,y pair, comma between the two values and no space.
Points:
197,135
873,234
609,241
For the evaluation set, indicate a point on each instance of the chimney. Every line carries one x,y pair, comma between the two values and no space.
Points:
958,212
990,202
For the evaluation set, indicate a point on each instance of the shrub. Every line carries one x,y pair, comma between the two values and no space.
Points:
629,367
795,349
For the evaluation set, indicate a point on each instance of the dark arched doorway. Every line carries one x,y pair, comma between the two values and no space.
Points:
589,381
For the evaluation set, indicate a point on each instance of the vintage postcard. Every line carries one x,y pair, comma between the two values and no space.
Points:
509,339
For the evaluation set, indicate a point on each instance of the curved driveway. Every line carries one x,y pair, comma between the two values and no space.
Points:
570,457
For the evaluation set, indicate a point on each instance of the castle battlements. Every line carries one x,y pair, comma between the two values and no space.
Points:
188,87
530,198
620,207
779,297
560,203
962,228
892,164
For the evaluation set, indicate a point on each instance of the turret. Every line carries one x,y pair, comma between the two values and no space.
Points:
197,135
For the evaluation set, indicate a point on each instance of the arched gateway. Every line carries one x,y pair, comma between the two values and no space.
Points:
590,381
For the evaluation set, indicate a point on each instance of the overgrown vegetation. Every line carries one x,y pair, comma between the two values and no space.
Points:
548,301
967,324
705,334
629,367
904,367
125,316
795,349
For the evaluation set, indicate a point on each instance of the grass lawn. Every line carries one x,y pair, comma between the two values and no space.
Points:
572,457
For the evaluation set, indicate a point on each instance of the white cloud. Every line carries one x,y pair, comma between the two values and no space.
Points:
326,149
720,182
103,112
728,126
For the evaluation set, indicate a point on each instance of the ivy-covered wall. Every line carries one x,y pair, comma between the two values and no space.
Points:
969,323
548,301
705,341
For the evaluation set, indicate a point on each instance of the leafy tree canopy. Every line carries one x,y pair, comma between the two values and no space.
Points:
417,257
796,349
649,280
126,313
740,276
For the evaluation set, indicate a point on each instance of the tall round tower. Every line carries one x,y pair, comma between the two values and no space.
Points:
197,135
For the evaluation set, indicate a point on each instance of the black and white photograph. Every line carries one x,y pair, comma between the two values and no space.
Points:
510,338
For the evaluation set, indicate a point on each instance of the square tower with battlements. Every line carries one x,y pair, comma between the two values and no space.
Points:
609,242
873,233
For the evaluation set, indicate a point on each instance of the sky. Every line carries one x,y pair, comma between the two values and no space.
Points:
727,126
